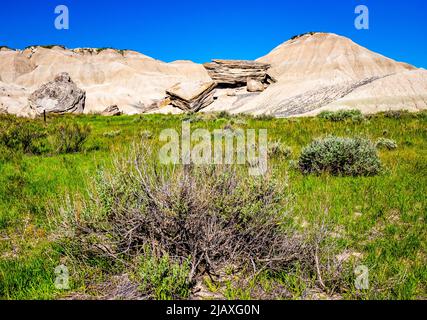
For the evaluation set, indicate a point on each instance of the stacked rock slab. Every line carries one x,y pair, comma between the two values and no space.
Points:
112,110
192,96
237,72
58,96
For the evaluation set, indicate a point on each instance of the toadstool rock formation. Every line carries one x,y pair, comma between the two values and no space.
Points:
192,96
236,72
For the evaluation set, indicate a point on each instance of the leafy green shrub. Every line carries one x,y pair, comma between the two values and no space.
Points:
223,115
277,148
383,143
23,135
7,155
264,117
70,136
162,278
95,144
342,115
340,156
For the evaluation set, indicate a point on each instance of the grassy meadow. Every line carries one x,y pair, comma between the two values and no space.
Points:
376,221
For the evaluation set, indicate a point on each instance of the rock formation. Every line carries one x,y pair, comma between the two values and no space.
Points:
313,72
254,85
13,99
236,72
111,111
109,77
324,71
192,96
58,96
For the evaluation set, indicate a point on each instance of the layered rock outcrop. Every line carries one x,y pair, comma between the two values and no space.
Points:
192,96
111,111
236,72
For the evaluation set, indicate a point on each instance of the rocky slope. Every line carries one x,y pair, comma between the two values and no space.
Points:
314,72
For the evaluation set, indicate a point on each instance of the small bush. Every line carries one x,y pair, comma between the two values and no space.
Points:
342,115
161,278
303,34
112,134
146,134
223,115
70,136
7,155
340,156
23,135
383,143
277,148
264,117
396,114
95,144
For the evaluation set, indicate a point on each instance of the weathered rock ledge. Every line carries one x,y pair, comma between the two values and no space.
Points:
237,72
192,96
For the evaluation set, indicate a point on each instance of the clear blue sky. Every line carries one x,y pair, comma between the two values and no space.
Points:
200,30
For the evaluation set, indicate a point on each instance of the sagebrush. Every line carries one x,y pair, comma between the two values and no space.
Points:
213,217
340,156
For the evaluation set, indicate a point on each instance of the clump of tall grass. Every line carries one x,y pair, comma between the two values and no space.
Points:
161,277
277,148
384,143
69,137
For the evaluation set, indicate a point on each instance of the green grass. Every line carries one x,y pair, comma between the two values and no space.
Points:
381,217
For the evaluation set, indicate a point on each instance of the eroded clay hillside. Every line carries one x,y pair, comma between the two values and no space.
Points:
128,79
312,72
325,71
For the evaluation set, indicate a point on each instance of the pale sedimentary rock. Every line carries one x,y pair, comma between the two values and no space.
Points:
314,72
254,85
58,96
236,72
192,96
111,111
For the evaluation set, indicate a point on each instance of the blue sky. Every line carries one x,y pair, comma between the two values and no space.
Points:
203,30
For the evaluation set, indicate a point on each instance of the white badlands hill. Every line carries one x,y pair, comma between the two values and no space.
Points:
110,77
314,72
